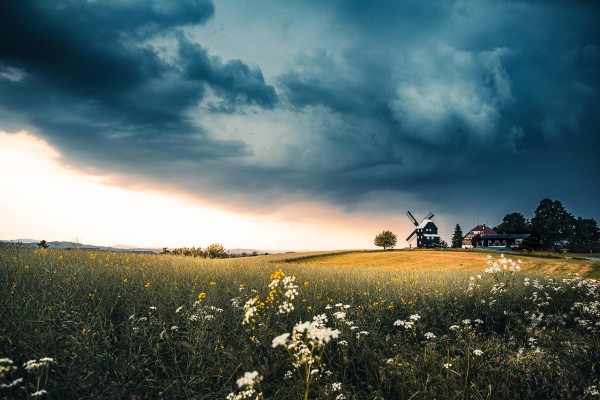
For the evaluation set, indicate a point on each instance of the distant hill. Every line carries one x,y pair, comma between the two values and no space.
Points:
31,243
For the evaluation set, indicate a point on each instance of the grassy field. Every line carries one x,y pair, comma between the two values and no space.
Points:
362,325
452,260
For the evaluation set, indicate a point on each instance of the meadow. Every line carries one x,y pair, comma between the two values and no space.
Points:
373,325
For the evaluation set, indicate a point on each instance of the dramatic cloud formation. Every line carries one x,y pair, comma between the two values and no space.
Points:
463,106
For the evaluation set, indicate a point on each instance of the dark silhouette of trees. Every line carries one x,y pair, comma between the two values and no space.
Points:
513,223
586,235
552,223
43,244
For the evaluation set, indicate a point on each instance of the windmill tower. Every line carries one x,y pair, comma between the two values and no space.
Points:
425,234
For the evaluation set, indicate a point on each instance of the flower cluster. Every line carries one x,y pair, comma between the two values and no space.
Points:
502,265
409,323
34,366
247,385
312,332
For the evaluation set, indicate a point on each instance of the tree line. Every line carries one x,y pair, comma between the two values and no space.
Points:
551,227
215,250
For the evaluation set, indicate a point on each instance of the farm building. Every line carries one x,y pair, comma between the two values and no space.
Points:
503,240
425,234
467,242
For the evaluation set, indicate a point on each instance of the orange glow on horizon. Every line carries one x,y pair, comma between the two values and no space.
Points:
44,199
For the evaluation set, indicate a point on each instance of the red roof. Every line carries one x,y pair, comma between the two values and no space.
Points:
486,230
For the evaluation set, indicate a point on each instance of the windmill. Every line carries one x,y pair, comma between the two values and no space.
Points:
425,233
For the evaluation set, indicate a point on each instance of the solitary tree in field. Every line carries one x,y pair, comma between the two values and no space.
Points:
43,244
457,237
386,239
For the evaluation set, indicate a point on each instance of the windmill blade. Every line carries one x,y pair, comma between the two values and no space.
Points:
408,239
412,218
429,216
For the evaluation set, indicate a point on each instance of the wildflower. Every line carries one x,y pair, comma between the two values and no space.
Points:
430,336
339,315
592,391
152,308
361,334
249,310
201,296
414,317
249,379
178,310
447,365
280,340
285,308
466,321
213,283
316,330
14,383
39,393
477,352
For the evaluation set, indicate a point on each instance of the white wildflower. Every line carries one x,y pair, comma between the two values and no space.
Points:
249,379
280,340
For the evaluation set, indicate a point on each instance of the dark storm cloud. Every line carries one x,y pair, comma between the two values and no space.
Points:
447,102
494,98
89,77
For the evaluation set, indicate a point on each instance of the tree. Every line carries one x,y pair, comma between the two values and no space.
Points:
530,244
443,244
457,237
513,223
215,250
586,235
43,245
552,223
386,239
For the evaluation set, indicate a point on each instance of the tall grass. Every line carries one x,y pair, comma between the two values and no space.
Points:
144,326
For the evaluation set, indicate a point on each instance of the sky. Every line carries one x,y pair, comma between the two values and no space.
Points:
292,125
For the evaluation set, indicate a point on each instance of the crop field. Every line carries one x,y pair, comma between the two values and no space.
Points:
363,325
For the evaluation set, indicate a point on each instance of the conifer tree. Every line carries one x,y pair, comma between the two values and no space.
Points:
457,237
